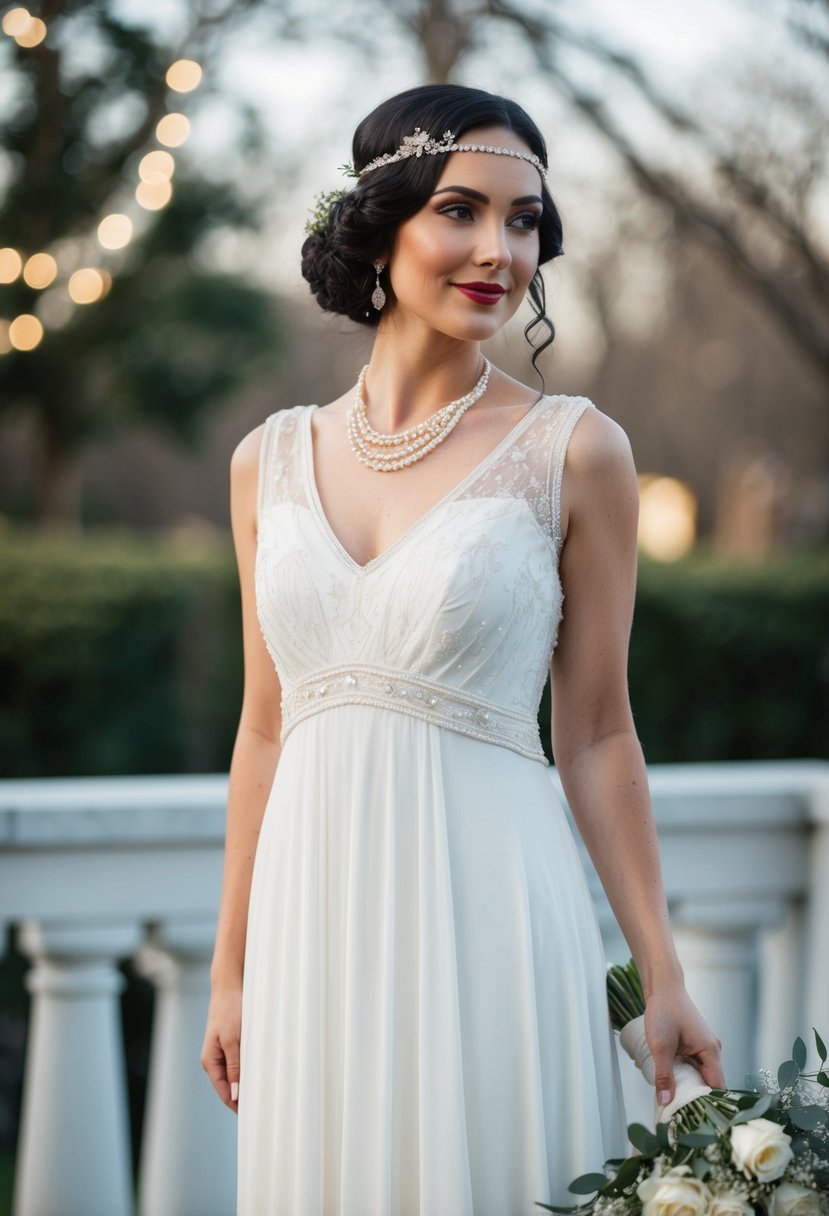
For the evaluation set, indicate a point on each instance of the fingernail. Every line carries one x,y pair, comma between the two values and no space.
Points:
234,1090
664,1097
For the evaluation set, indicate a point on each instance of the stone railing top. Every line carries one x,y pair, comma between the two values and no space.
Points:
77,811
112,810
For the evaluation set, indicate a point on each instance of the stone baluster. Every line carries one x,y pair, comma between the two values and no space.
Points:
74,1152
188,1155
781,990
817,918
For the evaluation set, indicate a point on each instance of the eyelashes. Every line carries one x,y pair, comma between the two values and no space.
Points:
533,217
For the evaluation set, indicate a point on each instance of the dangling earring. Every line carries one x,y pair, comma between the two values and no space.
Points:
378,296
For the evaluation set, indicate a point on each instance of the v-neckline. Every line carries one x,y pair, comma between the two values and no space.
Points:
417,524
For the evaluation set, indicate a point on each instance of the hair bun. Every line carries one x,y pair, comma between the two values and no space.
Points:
338,276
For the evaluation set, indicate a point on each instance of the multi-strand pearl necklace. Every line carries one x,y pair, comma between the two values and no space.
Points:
388,452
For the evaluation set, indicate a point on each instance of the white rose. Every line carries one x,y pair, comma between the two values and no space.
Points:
728,1203
761,1149
674,1194
792,1200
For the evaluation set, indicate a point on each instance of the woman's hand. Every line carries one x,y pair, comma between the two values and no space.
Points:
220,1052
675,1027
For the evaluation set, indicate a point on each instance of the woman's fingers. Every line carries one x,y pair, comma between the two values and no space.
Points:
676,1030
230,1045
215,1062
707,1060
220,1052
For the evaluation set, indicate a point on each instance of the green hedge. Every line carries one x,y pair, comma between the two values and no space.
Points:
121,654
117,655
730,661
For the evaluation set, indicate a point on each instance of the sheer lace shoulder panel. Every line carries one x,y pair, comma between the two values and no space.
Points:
280,466
531,464
575,407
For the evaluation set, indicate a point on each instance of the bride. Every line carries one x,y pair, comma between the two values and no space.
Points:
408,1008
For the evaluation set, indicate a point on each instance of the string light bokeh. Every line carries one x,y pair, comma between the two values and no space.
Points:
56,271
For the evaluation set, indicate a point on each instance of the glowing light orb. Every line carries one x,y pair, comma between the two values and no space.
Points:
25,332
86,285
115,231
33,35
40,270
172,130
16,21
156,167
183,76
152,196
11,264
667,517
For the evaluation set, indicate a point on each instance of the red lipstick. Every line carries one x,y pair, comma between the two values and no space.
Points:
481,293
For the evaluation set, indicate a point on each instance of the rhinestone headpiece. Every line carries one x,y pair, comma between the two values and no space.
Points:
422,144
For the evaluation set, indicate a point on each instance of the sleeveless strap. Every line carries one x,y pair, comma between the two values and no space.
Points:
280,470
265,450
570,412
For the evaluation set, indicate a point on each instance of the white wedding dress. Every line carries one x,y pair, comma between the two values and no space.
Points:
425,1028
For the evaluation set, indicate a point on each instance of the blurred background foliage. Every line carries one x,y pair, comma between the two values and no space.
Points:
111,321
157,163
123,655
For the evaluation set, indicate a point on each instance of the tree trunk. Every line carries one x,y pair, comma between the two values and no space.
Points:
58,484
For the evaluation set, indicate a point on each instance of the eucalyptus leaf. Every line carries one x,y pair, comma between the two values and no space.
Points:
823,1079
701,1167
747,1100
586,1184
799,1053
808,1117
662,1135
787,1074
627,1174
753,1112
820,1045
642,1138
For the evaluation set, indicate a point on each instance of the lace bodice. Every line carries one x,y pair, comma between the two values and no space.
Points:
455,623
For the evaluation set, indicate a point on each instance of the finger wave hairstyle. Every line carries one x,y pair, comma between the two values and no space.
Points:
338,264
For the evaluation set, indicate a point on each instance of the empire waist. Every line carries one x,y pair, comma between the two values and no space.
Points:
403,692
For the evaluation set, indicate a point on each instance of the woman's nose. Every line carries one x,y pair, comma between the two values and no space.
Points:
493,246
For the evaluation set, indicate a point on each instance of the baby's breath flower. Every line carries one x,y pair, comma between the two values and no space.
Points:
318,223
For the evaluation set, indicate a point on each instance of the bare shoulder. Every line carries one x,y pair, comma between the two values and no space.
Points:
600,487
244,462
599,448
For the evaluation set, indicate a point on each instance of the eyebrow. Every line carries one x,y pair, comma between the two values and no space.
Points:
482,198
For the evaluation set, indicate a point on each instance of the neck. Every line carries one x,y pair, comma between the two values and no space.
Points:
407,380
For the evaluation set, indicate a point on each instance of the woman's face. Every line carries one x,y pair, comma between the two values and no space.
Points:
480,227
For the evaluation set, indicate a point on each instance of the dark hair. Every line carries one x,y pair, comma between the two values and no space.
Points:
338,262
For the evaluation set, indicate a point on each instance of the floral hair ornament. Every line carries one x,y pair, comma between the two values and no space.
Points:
318,216
421,144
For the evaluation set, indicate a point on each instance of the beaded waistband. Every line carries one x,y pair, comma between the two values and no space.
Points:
414,695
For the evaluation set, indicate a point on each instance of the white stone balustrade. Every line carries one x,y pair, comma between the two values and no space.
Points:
96,871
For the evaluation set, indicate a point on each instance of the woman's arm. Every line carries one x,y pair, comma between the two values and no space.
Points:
597,752
252,768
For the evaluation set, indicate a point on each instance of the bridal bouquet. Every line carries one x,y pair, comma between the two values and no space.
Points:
759,1151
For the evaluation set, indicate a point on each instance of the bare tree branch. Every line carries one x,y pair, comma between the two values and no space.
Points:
800,319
